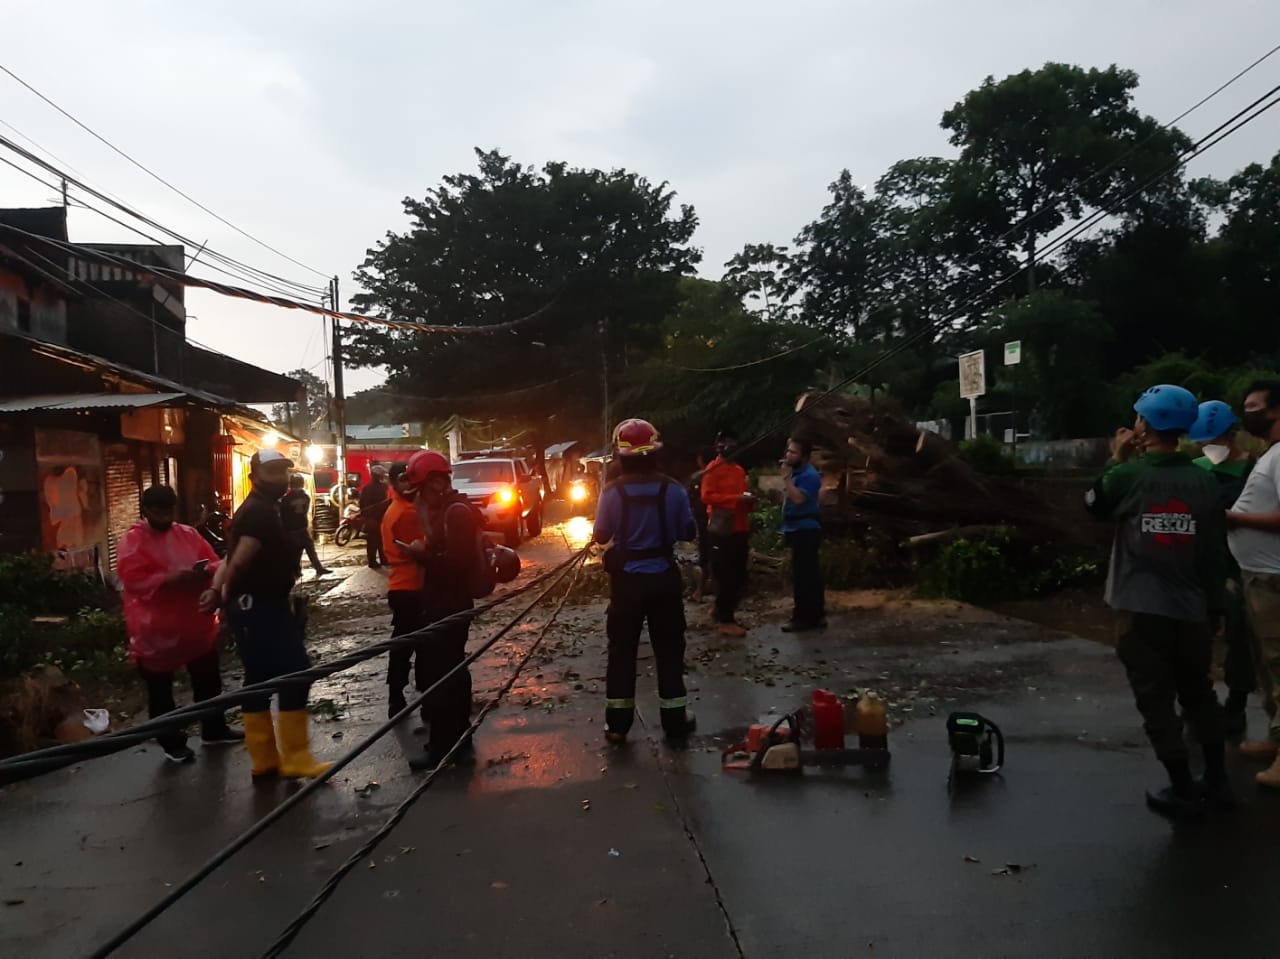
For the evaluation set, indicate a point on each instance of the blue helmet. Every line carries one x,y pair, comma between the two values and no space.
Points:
1168,408
1216,417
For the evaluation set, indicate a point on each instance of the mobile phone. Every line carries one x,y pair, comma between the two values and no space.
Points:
201,565
401,544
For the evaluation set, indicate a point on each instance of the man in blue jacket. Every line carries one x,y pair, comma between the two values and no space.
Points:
803,533
643,514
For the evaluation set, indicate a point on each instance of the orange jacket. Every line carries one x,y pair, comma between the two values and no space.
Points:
723,484
401,522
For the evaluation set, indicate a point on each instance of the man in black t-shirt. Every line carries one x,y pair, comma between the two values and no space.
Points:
295,513
374,500
253,586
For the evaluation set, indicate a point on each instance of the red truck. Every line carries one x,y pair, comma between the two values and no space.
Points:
360,460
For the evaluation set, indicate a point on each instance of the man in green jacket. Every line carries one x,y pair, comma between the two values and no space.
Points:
1166,581
1215,431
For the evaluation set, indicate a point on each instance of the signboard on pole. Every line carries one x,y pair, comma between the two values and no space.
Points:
1013,353
973,374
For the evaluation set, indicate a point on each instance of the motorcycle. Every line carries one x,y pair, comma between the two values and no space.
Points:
581,495
351,526
213,527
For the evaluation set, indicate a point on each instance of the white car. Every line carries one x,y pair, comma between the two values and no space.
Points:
508,493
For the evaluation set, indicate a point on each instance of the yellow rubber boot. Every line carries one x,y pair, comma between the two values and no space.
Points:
260,740
296,761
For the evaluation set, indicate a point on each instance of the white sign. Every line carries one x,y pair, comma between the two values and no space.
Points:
973,374
1013,353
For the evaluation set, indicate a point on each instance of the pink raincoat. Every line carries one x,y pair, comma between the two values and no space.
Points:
166,628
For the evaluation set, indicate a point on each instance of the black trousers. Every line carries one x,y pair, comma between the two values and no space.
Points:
1167,661
206,682
373,544
729,566
270,639
1238,670
406,616
303,541
447,709
806,577
634,600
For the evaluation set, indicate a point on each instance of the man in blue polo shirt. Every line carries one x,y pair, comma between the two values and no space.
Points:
803,534
643,514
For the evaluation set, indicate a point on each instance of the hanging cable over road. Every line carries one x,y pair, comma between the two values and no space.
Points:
56,757
360,855
181,889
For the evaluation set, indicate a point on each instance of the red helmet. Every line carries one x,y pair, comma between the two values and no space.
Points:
636,438
422,465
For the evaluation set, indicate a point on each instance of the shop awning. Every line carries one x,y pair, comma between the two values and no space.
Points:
79,402
559,449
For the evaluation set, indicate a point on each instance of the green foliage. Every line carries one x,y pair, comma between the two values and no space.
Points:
28,581
972,570
93,639
987,455
766,528
307,416
871,561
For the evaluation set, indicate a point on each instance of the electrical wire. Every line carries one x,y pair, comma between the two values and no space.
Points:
747,366
1206,142
186,279
52,758
142,218
330,885
181,889
159,179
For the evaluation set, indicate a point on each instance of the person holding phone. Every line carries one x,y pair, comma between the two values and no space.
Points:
403,543
164,569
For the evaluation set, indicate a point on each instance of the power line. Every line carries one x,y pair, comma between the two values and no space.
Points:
362,854
155,176
181,889
142,218
187,279
1206,142
747,366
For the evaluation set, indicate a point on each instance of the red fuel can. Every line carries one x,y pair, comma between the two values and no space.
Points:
828,720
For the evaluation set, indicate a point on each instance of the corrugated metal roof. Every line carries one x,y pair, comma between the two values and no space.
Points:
557,449
74,402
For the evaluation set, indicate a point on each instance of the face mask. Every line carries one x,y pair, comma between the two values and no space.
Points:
272,490
1216,454
1257,423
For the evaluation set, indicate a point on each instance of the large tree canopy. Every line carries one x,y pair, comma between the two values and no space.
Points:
600,253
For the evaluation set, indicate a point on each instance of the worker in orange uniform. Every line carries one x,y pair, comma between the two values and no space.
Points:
729,506
401,524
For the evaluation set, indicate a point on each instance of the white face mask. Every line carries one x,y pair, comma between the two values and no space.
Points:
1216,454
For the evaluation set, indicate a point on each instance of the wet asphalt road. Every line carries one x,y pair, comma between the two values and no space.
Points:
505,859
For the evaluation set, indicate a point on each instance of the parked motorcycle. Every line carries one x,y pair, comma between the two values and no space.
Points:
213,527
351,527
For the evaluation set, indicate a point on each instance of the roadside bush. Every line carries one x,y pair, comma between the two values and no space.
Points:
972,570
29,581
987,455
871,561
766,528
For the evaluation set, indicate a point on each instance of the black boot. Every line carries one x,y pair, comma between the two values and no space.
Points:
1180,799
1215,788
678,724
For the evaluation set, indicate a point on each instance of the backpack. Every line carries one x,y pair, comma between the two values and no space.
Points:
487,565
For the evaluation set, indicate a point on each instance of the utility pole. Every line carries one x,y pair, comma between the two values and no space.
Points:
603,328
339,396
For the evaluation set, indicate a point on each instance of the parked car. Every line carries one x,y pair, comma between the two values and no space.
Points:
507,491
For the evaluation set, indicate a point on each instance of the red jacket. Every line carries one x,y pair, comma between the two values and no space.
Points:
166,629
723,484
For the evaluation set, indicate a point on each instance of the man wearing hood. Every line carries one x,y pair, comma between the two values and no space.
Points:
253,587
164,567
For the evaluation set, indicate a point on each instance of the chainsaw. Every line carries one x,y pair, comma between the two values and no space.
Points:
977,746
778,748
